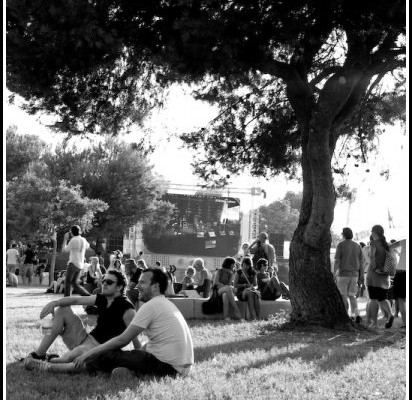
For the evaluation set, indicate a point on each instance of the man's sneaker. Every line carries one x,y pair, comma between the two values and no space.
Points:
51,356
390,322
358,319
33,364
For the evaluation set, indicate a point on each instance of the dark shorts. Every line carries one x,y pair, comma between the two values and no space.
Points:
399,285
377,293
139,361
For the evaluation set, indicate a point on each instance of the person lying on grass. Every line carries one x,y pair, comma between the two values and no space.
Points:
169,350
115,312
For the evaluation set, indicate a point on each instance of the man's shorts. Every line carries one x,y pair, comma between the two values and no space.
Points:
75,335
347,285
399,285
11,268
27,270
377,293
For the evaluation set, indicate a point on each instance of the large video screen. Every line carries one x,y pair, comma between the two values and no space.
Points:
201,226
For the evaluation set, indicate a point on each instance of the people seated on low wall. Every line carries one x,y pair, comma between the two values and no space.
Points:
270,288
203,278
246,287
223,281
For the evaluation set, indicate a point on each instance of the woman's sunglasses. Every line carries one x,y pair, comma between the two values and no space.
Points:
108,282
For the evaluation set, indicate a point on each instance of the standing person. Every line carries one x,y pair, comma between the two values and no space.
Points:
76,246
399,281
169,349
115,313
223,281
12,259
28,269
246,287
378,284
349,266
261,248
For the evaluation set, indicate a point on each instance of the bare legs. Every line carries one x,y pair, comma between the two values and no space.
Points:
373,310
253,304
402,309
229,299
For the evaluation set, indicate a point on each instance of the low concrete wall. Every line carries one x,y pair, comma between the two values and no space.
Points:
192,308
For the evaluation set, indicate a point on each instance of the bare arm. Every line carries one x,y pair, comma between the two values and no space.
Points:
216,279
65,239
66,302
127,318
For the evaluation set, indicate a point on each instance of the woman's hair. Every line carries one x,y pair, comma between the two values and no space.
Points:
198,263
142,263
228,262
117,261
378,229
190,270
261,262
131,262
121,278
248,261
94,258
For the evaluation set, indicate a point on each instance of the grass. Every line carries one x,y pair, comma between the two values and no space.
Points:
247,360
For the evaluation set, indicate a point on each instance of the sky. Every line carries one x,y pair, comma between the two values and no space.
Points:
374,195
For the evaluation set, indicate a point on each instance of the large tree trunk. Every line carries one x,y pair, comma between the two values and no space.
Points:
314,295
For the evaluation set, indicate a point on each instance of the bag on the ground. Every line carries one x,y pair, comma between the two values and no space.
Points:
214,305
258,254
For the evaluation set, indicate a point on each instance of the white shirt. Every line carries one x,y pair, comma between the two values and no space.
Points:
12,256
77,248
169,336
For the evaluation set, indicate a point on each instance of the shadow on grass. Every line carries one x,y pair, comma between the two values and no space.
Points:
330,350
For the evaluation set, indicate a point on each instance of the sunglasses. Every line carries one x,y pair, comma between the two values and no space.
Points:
108,282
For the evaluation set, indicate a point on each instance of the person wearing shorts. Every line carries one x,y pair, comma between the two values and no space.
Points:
12,259
27,268
399,281
349,266
115,312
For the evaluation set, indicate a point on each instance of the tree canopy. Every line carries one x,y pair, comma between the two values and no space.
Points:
292,78
115,172
21,151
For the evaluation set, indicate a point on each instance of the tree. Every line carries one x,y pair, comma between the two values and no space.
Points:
21,151
292,78
36,209
115,172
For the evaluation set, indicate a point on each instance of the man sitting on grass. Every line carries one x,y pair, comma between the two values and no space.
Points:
115,313
169,349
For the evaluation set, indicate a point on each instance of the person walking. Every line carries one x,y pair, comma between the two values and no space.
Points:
27,268
76,246
12,259
378,283
349,272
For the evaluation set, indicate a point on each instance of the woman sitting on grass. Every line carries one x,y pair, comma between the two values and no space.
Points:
57,286
223,281
93,275
246,287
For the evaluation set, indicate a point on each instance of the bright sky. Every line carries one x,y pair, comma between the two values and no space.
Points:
374,195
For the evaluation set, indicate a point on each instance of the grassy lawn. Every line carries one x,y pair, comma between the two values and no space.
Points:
248,360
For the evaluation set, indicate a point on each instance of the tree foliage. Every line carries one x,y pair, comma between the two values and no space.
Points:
21,151
292,78
281,216
36,207
115,172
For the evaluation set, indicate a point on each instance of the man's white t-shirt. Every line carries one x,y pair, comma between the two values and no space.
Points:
12,256
77,248
169,336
